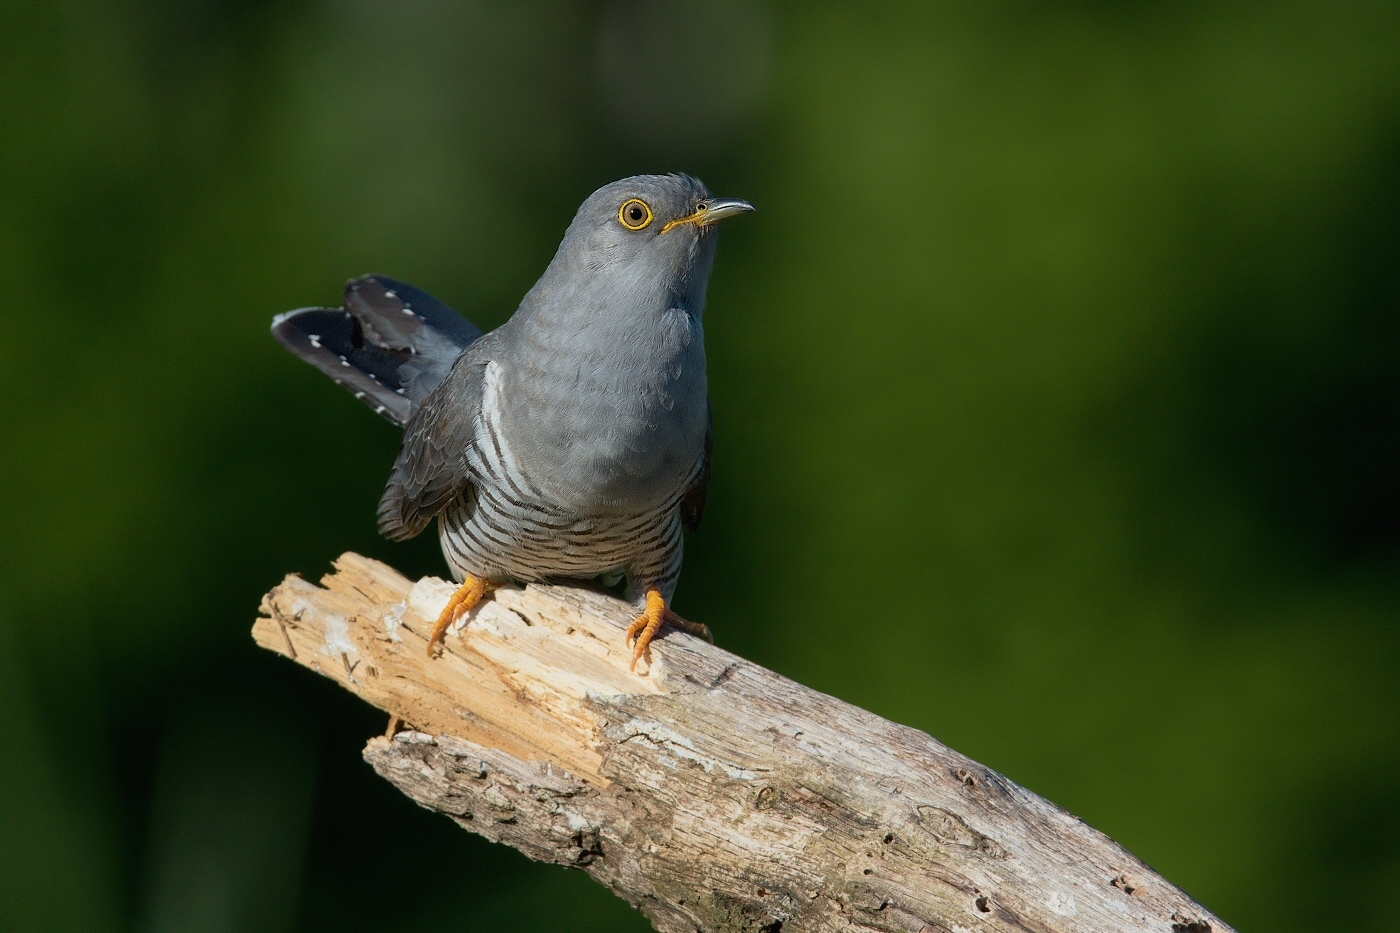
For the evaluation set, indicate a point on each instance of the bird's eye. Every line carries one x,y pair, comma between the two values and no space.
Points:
634,214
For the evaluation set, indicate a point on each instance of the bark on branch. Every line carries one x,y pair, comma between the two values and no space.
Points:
711,793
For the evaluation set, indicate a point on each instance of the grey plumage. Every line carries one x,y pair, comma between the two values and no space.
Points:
574,440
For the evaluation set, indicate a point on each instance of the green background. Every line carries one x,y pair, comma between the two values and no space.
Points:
1056,387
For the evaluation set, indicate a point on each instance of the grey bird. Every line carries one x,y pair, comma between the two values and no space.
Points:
573,441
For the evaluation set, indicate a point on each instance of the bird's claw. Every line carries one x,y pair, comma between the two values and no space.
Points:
467,596
680,624
644,628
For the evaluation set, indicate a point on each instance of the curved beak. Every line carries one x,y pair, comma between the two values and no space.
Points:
710,211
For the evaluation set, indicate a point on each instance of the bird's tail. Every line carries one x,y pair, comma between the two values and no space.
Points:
388,343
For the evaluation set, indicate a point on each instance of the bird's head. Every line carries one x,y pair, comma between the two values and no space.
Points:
647,233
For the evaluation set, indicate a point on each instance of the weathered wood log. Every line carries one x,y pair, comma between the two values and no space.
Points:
711,793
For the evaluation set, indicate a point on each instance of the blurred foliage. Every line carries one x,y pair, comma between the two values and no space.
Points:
1055,383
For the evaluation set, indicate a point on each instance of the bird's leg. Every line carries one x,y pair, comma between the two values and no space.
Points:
645,626
462,601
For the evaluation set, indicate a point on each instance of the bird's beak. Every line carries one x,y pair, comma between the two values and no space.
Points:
710,211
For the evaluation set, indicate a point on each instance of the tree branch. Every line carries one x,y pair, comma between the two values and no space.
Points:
711,793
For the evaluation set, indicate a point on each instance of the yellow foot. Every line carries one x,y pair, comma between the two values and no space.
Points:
646,625
462,601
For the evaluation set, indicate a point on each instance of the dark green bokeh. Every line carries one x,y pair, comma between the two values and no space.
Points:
1056,383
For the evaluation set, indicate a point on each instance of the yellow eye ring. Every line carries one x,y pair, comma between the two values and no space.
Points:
634,214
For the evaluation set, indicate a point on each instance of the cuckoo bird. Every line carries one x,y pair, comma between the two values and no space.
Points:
572,442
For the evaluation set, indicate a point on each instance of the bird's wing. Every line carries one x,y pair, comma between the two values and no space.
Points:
431,469
693,502
388,343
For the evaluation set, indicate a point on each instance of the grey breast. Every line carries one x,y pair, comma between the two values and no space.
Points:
583,448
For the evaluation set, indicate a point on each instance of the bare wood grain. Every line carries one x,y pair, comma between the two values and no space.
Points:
709,792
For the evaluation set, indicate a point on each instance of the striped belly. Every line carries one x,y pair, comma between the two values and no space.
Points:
508,529
491,534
